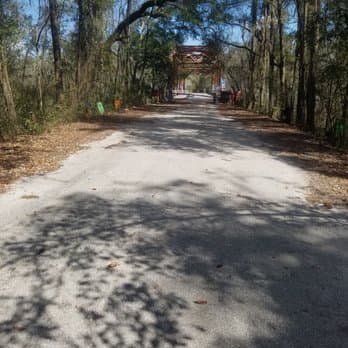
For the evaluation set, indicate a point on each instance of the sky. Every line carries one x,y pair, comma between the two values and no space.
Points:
30,7
192,42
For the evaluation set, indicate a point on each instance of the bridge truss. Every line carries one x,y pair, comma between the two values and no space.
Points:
199,60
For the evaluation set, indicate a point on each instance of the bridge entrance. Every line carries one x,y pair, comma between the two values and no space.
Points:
201,61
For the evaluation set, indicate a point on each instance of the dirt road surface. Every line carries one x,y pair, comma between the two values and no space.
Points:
179,230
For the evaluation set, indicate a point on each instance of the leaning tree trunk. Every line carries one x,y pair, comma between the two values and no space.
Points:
10,115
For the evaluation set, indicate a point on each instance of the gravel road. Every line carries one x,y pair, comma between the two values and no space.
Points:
178,230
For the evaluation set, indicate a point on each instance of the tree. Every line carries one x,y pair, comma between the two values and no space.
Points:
312,39
7,29
252,53
56,45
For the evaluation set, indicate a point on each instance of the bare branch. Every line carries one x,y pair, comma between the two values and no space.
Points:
141,12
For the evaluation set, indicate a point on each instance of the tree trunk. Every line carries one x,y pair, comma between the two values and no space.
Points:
313,25
345,104
283,107
90,26
301,24
10,114
127,82
271,60
55,31
265,61
252,58
81,47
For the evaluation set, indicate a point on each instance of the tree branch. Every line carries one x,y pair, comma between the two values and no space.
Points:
235,45
235,24
141,12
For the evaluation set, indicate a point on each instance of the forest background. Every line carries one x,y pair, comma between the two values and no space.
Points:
58,58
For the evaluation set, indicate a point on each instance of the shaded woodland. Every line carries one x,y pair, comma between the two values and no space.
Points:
59,57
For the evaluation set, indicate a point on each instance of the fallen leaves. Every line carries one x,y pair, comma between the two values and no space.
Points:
33,154
328,205
113,264
201,302
40,251
112,146
32,196
18,327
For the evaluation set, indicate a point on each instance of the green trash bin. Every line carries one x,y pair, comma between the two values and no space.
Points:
100,108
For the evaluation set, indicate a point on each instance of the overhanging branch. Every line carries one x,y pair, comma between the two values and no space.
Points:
142,11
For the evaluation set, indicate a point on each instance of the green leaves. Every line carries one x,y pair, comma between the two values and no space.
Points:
9,21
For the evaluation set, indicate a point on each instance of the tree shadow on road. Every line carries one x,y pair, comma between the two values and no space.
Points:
291,144
202,131
192,133
282,279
